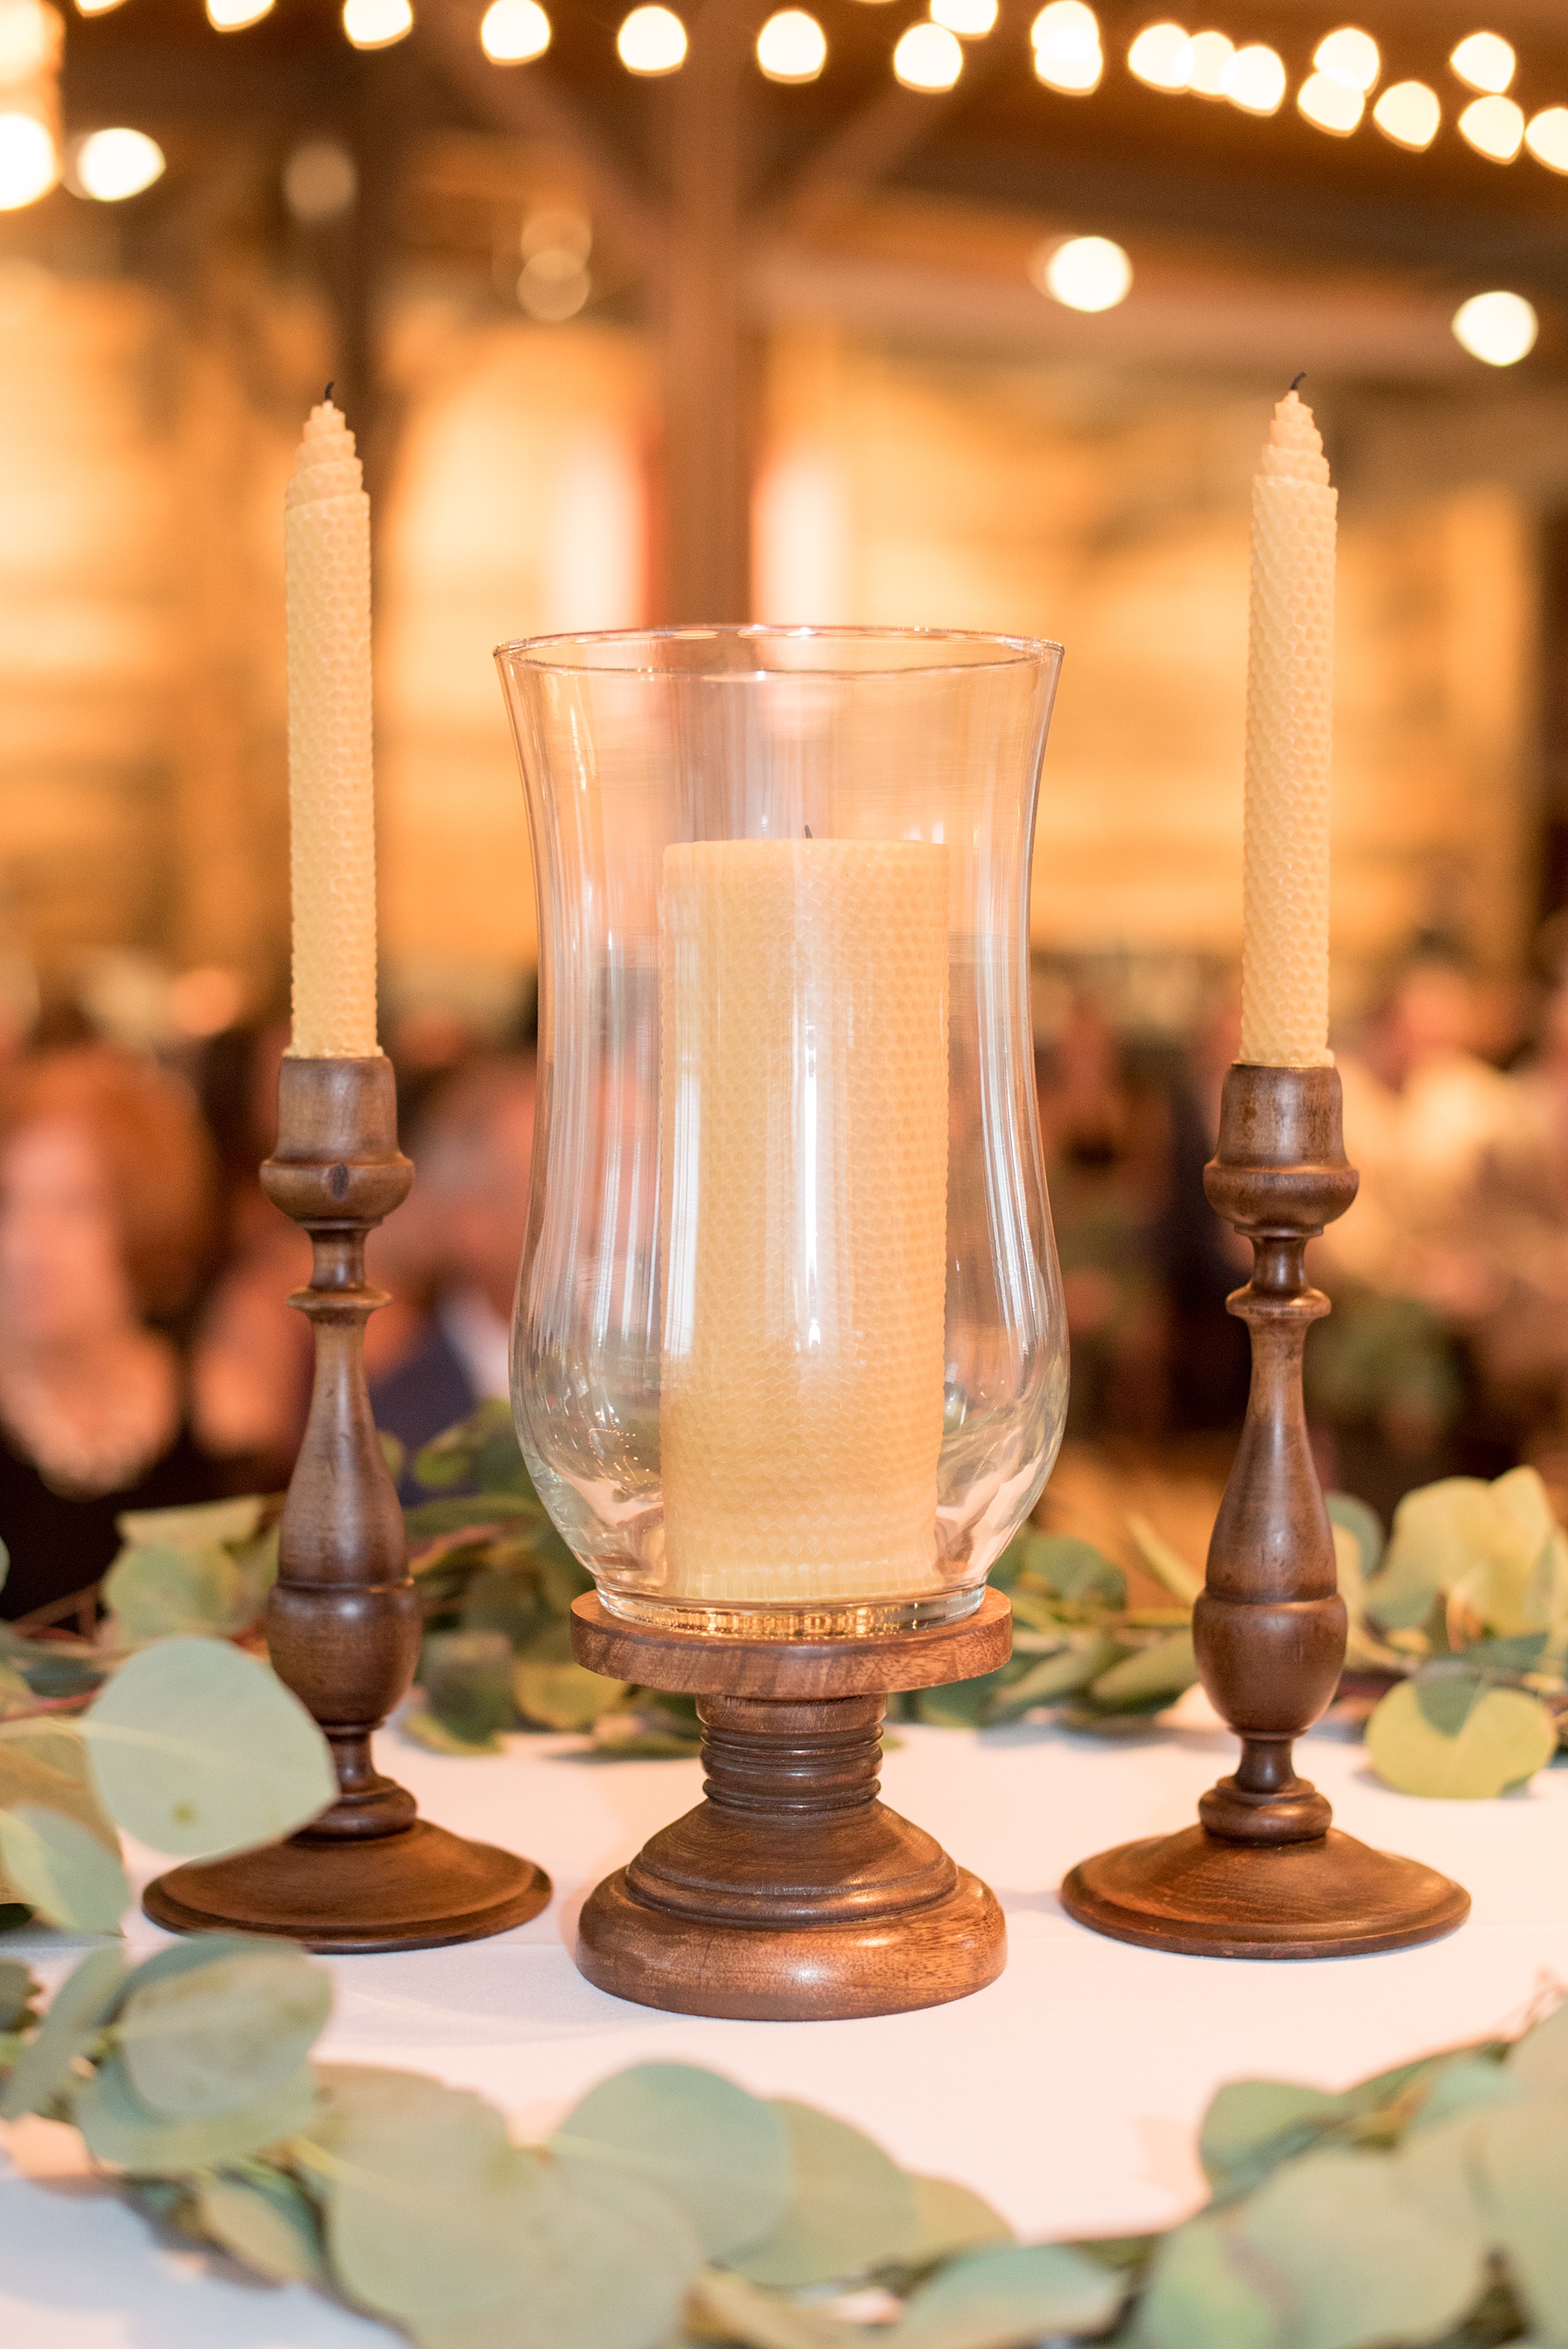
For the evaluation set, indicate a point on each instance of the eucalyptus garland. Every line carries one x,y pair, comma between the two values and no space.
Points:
673,2210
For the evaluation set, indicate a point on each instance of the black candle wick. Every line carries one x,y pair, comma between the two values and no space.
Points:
1297,381
332,386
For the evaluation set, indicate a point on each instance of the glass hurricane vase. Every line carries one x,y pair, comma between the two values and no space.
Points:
789,1357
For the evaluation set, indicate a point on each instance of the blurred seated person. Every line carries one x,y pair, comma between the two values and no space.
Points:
457,1245
105,1205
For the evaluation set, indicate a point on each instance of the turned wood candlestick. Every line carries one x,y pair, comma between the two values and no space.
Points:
1264,1874
343,1618
792,1893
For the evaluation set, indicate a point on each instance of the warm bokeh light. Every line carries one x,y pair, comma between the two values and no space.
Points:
970,20
651,41
1499,328
1494,127
1485,60
792,47
29,40
1083,272
1066,45
1409,114
1547,138
376,24
1348,55
1212,56
1162,56
321,181
1330,105
512,31
110,165
233,16
96,7
928,57
30,161
1256,79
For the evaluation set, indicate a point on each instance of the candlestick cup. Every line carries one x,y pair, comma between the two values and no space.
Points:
788,1361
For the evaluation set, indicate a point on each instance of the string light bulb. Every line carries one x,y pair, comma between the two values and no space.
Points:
1065,36
513,32
791,47
1213,56
376,24
1330,105
1494,127
1349,55
30,161
1486,61
651,41
1499,328
928,57
233,16
31,37
1256,81
970,20
1546,136
111,165
1162,56
96,7
1088,273
1409,114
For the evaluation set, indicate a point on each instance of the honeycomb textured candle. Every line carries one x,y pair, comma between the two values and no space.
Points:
805,1095
331,793
1289,733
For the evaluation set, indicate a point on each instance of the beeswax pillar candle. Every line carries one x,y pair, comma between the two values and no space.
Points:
331,802
1289,726
804,1098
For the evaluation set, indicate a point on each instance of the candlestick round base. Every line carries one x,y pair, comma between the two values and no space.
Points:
1331,1897
417,1889
792,1893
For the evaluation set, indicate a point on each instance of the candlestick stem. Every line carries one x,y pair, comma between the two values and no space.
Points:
343,1618
1265,1873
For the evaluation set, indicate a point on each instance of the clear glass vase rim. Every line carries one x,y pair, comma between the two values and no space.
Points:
1010,650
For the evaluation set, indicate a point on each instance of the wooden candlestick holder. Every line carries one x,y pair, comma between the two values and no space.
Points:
790,1893
343,1618
1265,1875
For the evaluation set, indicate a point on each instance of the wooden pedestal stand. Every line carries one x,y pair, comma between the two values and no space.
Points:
1265,1875
791,1894
343,1620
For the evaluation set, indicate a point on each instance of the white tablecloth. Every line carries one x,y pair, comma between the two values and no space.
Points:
1069,2093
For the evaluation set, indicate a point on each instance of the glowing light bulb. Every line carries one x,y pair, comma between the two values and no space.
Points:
1485,60
970,20
652,41
1256,79
1499,328
1162,56
1494,127
1547,138
233,16
29,40
96,7
1213,54
1409,114
1348,55
376,24
512,31
928,57
1066,46
30,161
1083,272
1330,105
792,47
111,165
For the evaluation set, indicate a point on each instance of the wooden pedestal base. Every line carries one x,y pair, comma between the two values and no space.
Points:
1331,1897
417,1890
792,1893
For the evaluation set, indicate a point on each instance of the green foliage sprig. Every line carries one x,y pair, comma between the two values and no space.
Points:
672,2210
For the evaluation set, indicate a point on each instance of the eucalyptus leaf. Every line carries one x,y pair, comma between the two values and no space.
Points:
423,1728
456,1516
1086,1655
199,1748
194,1955
1199,2295
46,2067
223,2036
722,2155
952,2218
1462,2087
264,2220
1505,1738
1362,1524
466,1680
556,1692
963,1704
17,1991
1164,1562
196,1526
1251,2126
1539,2059
1074,1570
725,2308
45,1761
1522,2157
62,1870
158,1591
117,2127
851,2208
1005,2297
1162,1670
1448,1698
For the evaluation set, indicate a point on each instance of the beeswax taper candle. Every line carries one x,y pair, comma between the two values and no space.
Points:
1289,729
331,799
805,1095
